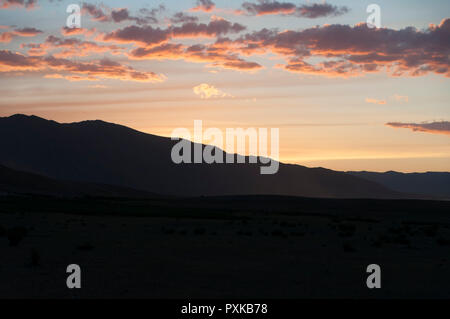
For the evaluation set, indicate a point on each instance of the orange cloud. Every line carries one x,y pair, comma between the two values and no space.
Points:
102,69
206,91
8,4
375,101
342,50
354,51
216,57
71,78
6,37
23,32
98,86
65,31
70,47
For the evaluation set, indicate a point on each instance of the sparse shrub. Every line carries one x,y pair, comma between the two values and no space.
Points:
199,231
346,230
443,241
408,229
86,247
278,233
168,231
347,227
431,231
386,239
35,258
16,234
395,230
400,230
348,247
401,239
263,232
244,233
287,224
298,234
377,243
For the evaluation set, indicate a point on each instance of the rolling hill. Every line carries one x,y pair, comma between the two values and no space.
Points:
18,182
105,153
436,184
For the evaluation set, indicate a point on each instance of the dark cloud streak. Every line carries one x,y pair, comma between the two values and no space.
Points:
311,11
433,127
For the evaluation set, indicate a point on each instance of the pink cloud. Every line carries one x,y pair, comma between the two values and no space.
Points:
204,5
69,47
8,4
100,69
149,36
353,51
21,32
433,127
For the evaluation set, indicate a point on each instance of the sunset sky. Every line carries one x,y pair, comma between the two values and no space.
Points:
343,95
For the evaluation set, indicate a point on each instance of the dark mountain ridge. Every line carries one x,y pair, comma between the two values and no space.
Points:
106,153
435,184
18,182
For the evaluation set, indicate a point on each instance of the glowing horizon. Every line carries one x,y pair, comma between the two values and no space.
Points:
344,96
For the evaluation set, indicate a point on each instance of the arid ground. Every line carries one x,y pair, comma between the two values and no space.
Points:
311,248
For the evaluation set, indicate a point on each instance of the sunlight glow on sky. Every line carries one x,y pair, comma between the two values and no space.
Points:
329,83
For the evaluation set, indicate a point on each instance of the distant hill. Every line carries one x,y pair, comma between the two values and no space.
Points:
17,182
105,153
436,184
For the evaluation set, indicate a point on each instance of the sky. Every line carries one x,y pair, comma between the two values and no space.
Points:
343,95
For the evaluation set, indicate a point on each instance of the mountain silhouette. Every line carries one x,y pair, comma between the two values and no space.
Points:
17,182
105,153
435,184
